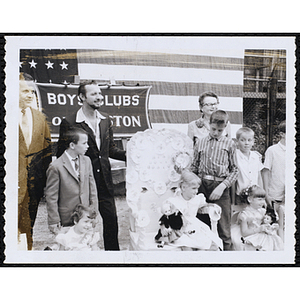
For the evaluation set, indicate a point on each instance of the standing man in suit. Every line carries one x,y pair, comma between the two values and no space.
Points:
34,157
101,147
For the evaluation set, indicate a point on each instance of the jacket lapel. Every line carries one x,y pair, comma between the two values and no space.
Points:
37,122
22,142
68,166
88,130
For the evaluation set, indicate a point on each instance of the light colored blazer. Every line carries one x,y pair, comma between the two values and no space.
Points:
33,163
64,190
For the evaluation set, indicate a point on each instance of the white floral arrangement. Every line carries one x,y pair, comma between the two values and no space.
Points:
182,160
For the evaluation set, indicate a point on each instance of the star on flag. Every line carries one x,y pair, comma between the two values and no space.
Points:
49,65
64,65
32,64
58,66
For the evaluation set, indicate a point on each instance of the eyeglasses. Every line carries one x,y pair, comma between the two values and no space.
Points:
211,104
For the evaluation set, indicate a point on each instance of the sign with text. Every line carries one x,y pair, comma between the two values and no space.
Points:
128,106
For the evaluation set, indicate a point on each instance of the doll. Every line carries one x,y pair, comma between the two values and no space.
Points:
268,240
170,225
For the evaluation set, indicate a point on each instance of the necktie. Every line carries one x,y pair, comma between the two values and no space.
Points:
25,127
76,164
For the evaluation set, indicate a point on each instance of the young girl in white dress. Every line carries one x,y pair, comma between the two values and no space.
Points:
81,236
196,234
248,225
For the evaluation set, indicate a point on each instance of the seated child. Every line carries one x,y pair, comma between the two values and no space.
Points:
268,240
248,222
81,236
195,233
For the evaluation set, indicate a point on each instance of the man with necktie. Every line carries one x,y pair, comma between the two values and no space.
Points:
34,157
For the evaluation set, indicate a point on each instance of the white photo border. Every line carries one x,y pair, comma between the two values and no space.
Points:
13,256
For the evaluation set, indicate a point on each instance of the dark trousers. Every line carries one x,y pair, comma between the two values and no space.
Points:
224,202
24,222
108,212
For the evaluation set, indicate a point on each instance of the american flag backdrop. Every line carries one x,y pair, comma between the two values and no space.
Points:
177,79
50,65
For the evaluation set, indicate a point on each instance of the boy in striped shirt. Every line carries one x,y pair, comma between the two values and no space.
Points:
215,163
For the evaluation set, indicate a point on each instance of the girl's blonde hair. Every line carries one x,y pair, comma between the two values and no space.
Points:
189,177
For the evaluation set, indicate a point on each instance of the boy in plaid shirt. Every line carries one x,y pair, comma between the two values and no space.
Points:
215,163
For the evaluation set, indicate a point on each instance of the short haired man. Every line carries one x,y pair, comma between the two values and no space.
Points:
98,126
34,157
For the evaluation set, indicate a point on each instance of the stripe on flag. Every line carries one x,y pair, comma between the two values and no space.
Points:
177,80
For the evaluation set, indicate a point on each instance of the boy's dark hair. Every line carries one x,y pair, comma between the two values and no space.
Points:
83,84
219,117
80,209
254,191
207,94
72,135
281,126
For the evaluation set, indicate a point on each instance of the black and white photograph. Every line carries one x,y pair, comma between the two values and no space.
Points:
145,149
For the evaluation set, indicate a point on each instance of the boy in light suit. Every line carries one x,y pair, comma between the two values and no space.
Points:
70,181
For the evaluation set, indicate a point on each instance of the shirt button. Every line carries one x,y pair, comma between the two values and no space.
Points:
98,170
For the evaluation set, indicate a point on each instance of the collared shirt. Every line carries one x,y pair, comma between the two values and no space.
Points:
275,162
249,170
216,157
72,161
80,117
195,132
28,114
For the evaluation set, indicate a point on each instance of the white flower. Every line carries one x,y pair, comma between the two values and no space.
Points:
145,175
136,156
133,194
160,187
160,148
142,219
182,160
174,176
177,143
143,143
132,176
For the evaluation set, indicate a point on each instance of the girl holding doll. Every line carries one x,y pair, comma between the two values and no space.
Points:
196,234
248,225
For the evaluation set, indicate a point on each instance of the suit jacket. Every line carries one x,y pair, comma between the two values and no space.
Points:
33,163
64,190
99,158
